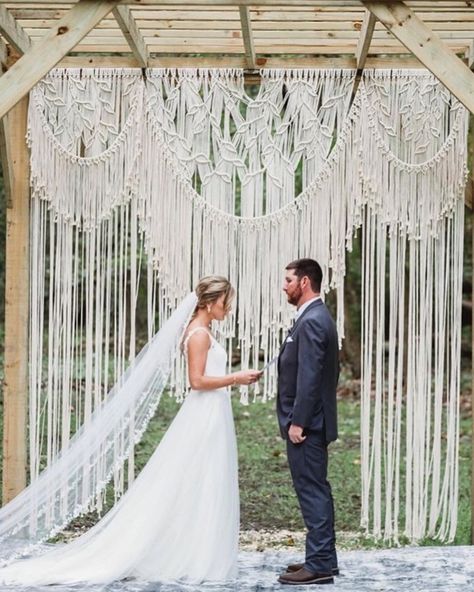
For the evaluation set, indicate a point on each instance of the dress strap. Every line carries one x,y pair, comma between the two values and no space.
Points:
192,332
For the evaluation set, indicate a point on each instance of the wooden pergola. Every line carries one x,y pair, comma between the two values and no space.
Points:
37,36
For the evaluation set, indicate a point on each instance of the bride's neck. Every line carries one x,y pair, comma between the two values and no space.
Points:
203,318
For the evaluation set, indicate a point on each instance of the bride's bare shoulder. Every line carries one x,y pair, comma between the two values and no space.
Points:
197,334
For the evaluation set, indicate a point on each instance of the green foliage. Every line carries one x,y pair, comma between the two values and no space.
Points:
268,500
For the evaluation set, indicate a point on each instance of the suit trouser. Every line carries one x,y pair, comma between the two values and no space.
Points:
308,465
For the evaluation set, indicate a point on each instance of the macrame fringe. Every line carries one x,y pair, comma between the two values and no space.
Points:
165,178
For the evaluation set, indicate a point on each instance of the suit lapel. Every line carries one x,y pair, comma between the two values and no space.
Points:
310,307
293,328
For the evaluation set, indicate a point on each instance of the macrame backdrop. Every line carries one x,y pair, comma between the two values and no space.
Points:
142,183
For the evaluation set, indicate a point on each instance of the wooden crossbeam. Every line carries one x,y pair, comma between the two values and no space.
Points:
224,17
12,31
5,158
115,61
365,38
3,54
416,36
63,37
209,3
249,45
320,5
126,22
180,48
264,29
362,51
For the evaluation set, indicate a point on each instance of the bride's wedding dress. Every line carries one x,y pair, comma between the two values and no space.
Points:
180,517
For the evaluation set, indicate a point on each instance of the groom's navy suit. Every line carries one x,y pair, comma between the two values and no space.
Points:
308,371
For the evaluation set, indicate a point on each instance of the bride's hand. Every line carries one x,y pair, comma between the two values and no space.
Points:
246,377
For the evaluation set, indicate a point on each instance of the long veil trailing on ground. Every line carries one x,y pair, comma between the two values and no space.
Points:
67,487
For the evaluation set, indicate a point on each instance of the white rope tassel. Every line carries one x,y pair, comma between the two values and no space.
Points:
413,189
213,240
149,181
85,175
88,277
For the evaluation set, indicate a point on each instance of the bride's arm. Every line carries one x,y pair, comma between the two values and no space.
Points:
198,348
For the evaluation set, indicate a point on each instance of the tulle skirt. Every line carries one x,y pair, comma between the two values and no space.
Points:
178,521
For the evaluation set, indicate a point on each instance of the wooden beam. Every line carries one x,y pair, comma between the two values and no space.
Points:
182,47
32,15
128,61
155,34
246,25
207,3
15,391
365,38
12,31
126,22
362,51
406,26
63,37
6,158
3,55
329,6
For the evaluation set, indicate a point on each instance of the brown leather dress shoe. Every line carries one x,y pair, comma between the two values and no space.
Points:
303,576
297,566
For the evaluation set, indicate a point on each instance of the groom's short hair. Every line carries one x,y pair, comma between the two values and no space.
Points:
309,268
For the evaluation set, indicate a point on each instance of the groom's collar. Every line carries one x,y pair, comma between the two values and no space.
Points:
304,306
302,311
310,305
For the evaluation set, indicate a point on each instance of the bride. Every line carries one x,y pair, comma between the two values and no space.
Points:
180,517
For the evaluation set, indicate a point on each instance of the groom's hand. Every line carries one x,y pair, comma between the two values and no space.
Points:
295,434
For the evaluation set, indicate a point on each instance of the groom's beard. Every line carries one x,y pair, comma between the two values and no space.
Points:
295,295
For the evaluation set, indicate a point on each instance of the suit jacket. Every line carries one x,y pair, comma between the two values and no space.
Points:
308,371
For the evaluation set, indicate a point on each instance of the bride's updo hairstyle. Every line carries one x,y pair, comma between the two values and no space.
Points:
212,287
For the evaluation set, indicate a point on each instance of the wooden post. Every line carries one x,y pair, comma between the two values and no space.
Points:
15,393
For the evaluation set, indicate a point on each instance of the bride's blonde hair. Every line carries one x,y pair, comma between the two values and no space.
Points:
212,287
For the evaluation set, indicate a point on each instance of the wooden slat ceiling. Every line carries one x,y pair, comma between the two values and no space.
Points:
322,29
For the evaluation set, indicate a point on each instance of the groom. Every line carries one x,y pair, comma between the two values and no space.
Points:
308,371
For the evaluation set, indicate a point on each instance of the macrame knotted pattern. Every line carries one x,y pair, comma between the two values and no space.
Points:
144,182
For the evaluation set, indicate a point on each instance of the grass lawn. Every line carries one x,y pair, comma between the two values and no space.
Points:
268,501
